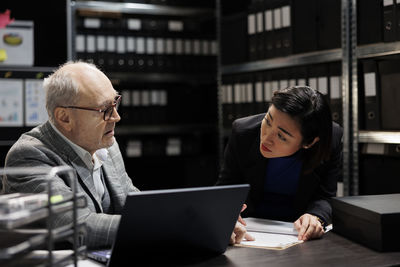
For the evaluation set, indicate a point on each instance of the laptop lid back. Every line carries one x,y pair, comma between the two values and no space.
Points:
174,223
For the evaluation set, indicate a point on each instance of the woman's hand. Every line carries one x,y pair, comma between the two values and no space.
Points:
240,232
309,227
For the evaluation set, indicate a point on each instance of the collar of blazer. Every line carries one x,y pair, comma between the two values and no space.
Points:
65,151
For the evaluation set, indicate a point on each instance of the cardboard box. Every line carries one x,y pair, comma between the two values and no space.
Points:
372,220
18,43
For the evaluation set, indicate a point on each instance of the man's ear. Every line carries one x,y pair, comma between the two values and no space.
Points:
62,118
316,139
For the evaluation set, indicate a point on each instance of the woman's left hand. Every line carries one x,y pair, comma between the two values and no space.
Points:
309,227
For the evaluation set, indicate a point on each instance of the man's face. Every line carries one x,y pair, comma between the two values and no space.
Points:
89,129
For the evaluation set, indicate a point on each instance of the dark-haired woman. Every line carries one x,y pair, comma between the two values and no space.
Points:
292,158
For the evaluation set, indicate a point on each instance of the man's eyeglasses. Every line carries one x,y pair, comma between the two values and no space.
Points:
108,111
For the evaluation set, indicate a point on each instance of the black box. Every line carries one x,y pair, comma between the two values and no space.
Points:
371,220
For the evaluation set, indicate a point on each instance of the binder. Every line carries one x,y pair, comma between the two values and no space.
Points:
259,106
251,35
369,21
249,107
269,43
379,161
389,21
397,20
371,94
228,108
318,78
329,24
390,97
304,21
335,92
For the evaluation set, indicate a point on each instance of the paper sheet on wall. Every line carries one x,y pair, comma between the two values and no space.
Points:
270,234
35,102
11,101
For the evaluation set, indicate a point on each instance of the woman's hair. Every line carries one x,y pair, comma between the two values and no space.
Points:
311,111
61,89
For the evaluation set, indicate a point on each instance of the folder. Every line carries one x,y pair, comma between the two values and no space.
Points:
329,24
318,78
269,43
379,160
335,91
228,108
304,21
251,35
369,21
390,97
389,21
371,94
259,106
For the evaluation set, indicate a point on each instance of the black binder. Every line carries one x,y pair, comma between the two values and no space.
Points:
389,21
390,97
371,93
234,38
259,105
335,91
304,23
369,21
379,164
329,24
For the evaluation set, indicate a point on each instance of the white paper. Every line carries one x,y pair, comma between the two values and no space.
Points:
268,240
270,234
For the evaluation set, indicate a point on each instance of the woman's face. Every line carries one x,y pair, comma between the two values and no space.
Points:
280,135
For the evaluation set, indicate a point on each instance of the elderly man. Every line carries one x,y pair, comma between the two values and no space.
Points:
82,107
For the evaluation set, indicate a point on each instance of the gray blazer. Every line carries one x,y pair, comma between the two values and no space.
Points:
43,147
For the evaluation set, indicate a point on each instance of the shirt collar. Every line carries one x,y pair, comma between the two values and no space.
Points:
93,163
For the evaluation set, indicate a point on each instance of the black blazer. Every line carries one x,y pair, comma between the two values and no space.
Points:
243,163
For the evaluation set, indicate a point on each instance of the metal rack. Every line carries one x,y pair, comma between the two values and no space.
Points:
55,205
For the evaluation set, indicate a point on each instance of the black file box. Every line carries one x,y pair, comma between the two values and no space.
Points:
372,220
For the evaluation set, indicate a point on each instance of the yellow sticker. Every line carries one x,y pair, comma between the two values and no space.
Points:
3,55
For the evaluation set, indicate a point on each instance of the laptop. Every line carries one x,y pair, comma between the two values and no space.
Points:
175,225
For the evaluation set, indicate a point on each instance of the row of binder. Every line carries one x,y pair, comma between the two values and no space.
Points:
119,53
163,146
379,82
147,25
174,105
92,43
282,27
247,94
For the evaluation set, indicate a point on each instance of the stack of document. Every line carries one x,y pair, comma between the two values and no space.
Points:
270,234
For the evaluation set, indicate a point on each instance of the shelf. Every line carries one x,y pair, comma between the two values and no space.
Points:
283,62
378,50
164,129
141,9
27,69
137,77
381,137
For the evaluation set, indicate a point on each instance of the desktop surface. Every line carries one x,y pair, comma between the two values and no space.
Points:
331,250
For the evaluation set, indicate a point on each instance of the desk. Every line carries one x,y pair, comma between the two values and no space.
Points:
331,250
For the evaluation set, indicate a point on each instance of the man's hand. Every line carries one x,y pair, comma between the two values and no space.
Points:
240,232
309,227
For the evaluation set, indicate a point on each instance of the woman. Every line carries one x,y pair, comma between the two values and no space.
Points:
292,158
